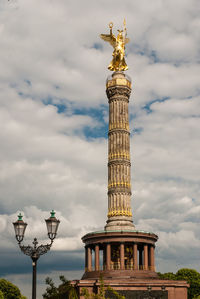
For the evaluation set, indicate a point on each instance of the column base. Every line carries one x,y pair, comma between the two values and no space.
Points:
119,223
120,274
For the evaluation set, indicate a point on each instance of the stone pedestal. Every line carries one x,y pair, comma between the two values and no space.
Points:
137,288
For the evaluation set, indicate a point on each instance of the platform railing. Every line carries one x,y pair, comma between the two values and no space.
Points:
117,266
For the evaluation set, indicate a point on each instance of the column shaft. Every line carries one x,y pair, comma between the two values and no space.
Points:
122,256
152,259
135,264
86,259
97,257
108,256
140,258
145,257
119,179
89,259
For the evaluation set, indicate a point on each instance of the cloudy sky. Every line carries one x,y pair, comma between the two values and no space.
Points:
54,120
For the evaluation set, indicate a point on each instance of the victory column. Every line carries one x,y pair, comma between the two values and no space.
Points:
118,89
124,248
123,255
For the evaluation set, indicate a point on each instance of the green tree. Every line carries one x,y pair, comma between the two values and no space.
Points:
1,295
193,278
51,290
102,292
190,275
64,291
9,290
168,275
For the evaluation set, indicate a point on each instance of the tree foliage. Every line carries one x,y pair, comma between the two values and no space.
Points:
168,275
191,276
64,291
9,290
102,292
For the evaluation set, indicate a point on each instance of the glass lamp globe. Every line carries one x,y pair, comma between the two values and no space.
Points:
19,227
52,225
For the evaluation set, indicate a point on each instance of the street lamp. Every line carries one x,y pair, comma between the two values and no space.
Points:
35,251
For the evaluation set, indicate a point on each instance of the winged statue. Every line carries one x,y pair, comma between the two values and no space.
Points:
118,62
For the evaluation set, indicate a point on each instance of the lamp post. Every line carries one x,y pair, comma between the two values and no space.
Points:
35,251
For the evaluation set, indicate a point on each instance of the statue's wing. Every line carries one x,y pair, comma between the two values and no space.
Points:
109,38
127,40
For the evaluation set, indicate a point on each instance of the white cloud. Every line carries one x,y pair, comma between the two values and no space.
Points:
48,56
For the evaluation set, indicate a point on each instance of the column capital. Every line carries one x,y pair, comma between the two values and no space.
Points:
114,91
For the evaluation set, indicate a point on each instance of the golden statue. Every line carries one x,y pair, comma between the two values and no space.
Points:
118,62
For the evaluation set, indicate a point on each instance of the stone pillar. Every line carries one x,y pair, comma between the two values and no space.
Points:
149,257
140,258
89,259
135,263
86,259
152,259
122,256
145,257
96,257
108,256
118,89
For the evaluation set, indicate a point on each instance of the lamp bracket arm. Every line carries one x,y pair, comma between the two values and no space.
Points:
28,250
35,252
42,249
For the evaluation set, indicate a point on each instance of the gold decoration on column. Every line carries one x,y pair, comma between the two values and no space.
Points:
126,212
122,155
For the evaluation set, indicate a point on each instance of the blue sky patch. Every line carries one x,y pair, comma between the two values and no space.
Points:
98,114
28,82
147,107
137,131
97,46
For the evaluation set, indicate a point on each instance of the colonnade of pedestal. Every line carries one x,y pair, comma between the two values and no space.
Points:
140,257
